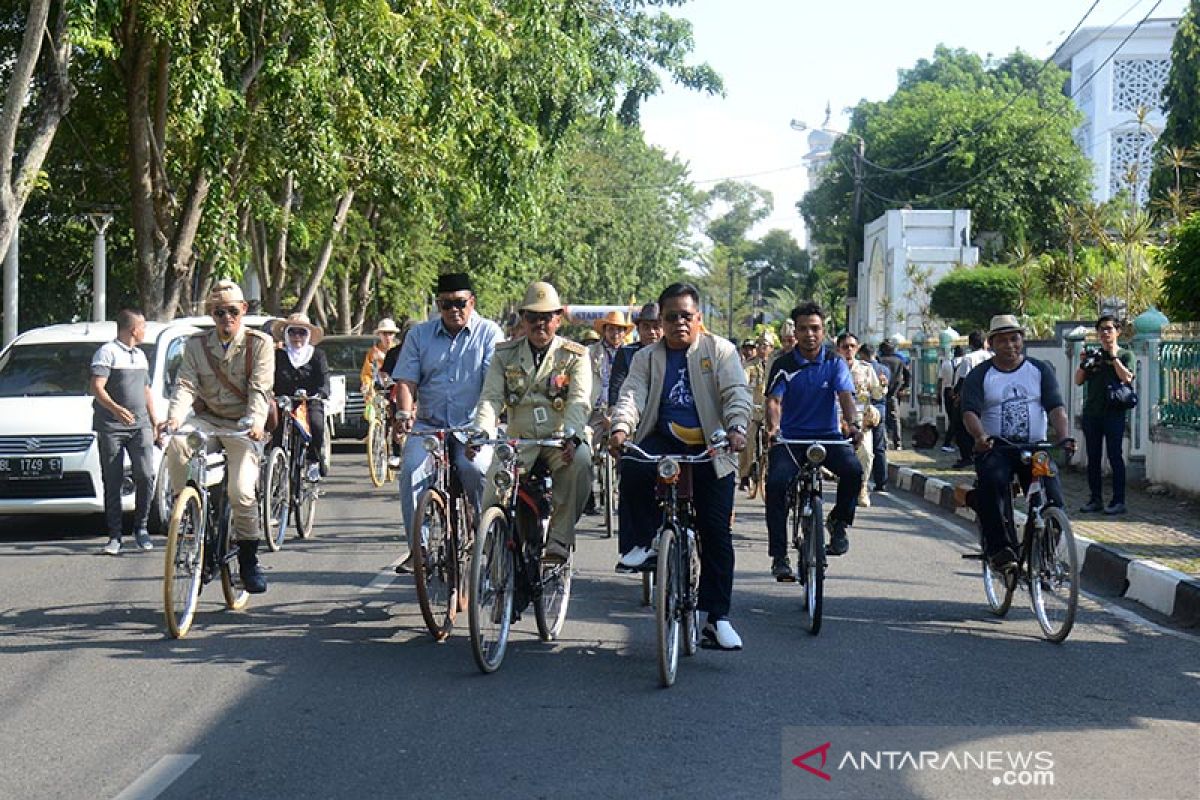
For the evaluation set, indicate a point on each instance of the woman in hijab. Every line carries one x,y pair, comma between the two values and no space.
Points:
300,365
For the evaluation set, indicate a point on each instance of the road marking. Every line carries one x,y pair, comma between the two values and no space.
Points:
1132,617
155,780
384,579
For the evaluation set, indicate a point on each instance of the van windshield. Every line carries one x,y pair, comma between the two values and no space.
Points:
59,369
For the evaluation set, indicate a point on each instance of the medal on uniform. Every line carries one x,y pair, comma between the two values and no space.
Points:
558,404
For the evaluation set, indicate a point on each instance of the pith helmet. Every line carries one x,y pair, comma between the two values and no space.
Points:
541,296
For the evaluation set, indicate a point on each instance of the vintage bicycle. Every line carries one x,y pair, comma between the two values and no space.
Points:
443,526
507,571
806,521
1047,563
677,567
200,542
289,491
380,429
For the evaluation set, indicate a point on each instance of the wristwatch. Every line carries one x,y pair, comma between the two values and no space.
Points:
739,429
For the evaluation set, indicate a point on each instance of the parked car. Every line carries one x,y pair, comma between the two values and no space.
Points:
345,354
51,459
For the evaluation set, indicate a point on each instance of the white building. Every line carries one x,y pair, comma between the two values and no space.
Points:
1109,89
925,241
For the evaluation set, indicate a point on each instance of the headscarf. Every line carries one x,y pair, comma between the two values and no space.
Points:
299,356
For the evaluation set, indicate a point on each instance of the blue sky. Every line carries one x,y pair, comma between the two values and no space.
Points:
784,59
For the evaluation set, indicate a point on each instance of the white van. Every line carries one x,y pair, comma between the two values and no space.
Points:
49,460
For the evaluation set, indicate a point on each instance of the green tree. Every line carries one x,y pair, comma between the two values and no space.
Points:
1181,101
1181,271
968,298
960,133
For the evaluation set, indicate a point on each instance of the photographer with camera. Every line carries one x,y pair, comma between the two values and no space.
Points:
1103,420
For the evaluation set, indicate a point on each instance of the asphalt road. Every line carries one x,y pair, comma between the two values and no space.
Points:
329,686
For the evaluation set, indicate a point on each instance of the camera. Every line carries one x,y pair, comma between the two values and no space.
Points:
1093,359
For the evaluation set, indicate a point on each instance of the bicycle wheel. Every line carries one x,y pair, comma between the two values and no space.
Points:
434,564
492,577
667,606
551,608
275,498
231,582
184,562
690,613
648,588
377,451
305,507
812,561
1054,575
610,496
998,587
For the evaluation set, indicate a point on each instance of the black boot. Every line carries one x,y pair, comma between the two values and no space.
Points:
253,579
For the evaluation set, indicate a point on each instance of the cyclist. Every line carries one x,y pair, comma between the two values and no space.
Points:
879,465
649,331
1010,396
227,374
787,340
385,340
756,378
678,393
300,365
868,390
613,328
805,391
439,375
545,383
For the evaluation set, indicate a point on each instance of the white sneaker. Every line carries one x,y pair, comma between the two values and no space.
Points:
948,449
637,556
113,547
314,472
722,635
394,462
864,499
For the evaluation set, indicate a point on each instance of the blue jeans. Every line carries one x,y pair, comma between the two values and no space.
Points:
782,469
1105,434
417,474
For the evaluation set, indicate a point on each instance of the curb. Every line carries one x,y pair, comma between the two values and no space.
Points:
1104,570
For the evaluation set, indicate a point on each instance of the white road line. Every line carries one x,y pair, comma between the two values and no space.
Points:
156,779
971,534
384,579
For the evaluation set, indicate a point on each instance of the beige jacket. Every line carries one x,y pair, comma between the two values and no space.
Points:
541,402
719,387
197,379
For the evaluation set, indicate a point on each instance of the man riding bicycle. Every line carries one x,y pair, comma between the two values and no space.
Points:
756,378
545,383
439,376
227,374
300,366
1009,396
677,394
805,390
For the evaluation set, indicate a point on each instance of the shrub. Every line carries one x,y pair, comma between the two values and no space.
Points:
968,298
1181,267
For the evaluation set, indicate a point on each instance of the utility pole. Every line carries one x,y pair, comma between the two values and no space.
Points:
11,260
729,320
852,267
100,223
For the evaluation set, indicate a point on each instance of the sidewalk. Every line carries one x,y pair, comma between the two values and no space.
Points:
1131,550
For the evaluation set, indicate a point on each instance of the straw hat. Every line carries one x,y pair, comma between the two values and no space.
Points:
387,325
612,318
1003,323
279,327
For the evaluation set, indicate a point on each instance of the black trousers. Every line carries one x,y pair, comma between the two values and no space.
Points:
994,472
113,444
879,466
948,405
782,470
712,498
1105,434
316,425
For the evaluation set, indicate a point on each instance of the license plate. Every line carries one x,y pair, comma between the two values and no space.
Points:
31,468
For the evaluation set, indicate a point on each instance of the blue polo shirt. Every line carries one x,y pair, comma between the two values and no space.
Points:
448,371
808,391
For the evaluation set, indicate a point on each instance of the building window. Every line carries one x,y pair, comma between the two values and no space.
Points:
1129,165
1083,138
1139,82
1083,96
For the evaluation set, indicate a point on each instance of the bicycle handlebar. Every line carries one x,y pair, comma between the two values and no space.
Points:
781,440
635,453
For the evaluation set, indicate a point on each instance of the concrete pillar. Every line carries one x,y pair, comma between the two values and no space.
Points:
100,223
10,287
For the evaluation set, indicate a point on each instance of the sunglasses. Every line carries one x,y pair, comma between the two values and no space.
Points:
676,316
458,303
232,312
297,331
537,317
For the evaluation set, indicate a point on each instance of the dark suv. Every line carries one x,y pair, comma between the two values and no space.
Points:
345,354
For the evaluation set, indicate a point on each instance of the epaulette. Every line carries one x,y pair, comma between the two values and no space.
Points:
574,347
510,344
261,335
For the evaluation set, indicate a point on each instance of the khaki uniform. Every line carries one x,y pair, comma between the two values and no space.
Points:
222,411
756,379
542,403
866,388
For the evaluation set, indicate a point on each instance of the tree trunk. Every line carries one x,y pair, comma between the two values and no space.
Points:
54,103
278,262
318,274
366,290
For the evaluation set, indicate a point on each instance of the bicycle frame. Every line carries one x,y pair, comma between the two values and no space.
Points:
446,481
